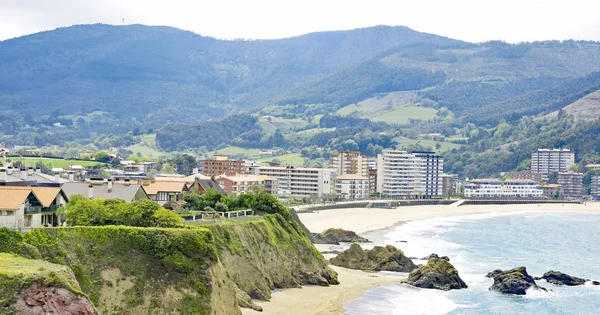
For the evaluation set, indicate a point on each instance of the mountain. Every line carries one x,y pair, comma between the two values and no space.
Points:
158,74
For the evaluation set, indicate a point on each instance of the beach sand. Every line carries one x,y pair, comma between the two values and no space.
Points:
354,283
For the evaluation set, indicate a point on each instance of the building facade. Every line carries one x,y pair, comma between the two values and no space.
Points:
409,175
494,188
243,184
595,187
526,174
372,180
221,164
572,184
546,161
352,187
300,181
350,162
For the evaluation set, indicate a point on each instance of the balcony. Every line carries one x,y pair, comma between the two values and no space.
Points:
33,209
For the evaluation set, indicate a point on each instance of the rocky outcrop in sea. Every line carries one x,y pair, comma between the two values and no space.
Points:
513,281
437,274
387,258
559,278
335,236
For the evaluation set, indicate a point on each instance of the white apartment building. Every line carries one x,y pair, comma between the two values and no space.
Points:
352,187
546,161
409,175
494,188
300,181
350,162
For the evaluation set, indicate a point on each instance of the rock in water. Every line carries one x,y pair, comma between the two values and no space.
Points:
436,274
559,278
335,236
513,281
432,256
596,282
379,258
491,274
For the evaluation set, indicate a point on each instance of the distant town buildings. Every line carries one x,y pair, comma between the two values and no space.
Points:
572,184
552,191
546,161
409,175
221,164
350,162
352,187
494,188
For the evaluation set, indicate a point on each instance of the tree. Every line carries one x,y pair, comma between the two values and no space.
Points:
168,169
133,157
102,156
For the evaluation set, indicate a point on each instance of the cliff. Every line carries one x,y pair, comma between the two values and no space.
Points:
38,287
193,270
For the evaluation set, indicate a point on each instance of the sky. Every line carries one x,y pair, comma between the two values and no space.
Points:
470,20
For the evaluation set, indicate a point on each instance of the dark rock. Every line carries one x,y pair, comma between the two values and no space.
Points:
446,258
379,258
514,281
491,274
432,256
537,278
596,282
559,278
335,236
436,274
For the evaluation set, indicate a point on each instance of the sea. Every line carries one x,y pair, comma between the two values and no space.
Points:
477,244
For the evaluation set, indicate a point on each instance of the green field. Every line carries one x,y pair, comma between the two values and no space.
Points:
269,125
379,104
403,114
444,146
249,153
147,147
56,163
292,159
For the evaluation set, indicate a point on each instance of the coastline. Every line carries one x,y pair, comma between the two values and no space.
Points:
354,283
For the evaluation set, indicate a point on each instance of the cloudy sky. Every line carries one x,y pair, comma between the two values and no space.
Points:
470,20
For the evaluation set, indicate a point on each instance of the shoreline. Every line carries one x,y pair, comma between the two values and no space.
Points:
354,283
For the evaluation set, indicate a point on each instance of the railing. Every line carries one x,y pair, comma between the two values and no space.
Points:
214,215
33,209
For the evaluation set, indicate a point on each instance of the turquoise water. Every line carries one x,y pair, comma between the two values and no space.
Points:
477,244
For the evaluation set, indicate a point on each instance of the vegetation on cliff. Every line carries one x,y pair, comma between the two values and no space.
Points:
187,270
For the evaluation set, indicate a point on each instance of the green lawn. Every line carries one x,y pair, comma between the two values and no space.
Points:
57,163
250,153
402,115
269,125
444,146
147,147
379,104
292,159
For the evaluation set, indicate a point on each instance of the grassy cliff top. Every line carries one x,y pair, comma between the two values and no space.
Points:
13,265
18,273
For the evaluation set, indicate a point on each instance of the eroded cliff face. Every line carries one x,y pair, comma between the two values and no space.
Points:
195,270
262,255
38,287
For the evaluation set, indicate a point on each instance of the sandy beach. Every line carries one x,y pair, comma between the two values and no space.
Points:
354,283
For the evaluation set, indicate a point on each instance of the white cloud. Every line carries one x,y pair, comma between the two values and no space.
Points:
471,20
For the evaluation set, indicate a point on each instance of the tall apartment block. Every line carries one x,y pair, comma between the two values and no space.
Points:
221,164
350,162
300,181
546,161
410,175
595,187
571,183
